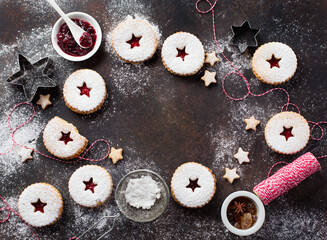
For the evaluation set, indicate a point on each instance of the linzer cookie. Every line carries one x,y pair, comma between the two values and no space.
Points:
134,40
182,54
90,185
193,185
62,139
274,63
84,91
287,132
40,204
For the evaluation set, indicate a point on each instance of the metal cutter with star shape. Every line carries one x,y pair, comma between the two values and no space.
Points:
244,36
32,76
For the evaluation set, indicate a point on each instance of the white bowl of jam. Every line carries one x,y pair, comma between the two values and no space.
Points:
64,43
243,213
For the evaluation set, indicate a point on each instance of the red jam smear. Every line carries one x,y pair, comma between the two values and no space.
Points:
287,133
135,41
274,62
84,90
67,42
181,53
193,184
65,137
90,185
39,206
86,40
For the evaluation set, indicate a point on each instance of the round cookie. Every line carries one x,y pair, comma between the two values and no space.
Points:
193,185
274,63
84,91
182,54
62,139
287,133
90,185
40,204
134,41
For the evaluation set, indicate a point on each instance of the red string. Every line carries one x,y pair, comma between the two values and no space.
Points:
248,86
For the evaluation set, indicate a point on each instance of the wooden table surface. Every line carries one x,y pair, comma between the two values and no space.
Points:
162,121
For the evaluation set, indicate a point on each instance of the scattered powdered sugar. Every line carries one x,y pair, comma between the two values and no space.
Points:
142,192
86,197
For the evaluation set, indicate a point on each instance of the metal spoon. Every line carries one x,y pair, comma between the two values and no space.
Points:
83,38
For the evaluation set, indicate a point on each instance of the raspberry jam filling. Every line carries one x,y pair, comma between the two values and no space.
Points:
287,133
39,206
67,42
65,137
84,90
90,185
135,41
86,40
193,184
181,53
274,62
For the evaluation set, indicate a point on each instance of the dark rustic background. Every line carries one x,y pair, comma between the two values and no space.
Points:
162,121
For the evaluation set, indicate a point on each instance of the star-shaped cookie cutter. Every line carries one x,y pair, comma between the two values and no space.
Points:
32,76
244,36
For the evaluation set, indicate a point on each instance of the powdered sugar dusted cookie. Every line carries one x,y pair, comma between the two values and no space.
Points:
62,139
85,91
287,132
90,185
40,204
274,63
193,185
182,54
134,40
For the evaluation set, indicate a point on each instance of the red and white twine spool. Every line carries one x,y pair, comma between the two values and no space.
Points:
287,178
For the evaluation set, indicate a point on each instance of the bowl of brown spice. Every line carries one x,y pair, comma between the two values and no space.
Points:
243,213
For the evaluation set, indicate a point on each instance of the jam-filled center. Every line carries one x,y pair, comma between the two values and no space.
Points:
274,62
65,137
84,90
193,184
39,206
287,133
181,53
135,41
89,185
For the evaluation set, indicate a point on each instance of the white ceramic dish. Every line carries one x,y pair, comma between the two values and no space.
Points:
77,15
260,213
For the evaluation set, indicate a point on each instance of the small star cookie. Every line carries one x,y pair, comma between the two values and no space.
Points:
208,78
231,175
116,154
25,154
44,101
211,58
251,123
242,156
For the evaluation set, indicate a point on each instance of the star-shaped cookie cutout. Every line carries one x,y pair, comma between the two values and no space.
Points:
231,175
211,58
25,154
32,76
242,156
251,123
208,78
44,101
116,154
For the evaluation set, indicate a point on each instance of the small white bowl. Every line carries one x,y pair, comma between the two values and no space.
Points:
260,213
85,17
